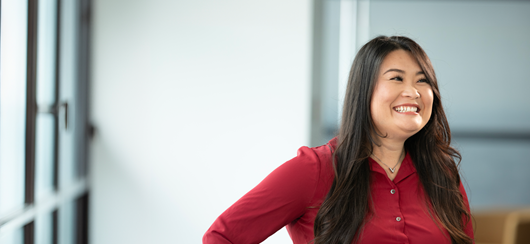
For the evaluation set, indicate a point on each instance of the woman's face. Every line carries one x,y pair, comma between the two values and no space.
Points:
402,100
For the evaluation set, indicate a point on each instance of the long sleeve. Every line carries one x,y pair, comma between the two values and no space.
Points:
282,197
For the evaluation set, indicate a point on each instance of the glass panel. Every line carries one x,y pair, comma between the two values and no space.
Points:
14,237
44,155
13,44
66,223
46,52
66,87
43,229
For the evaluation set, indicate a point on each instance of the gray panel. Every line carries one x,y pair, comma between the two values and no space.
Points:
325,72
496,171
479,50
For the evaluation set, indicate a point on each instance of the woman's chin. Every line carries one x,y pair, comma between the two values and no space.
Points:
409,131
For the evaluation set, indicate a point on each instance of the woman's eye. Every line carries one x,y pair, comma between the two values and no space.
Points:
423,81
397,78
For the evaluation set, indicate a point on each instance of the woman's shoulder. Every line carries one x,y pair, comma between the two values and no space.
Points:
315,163
318,157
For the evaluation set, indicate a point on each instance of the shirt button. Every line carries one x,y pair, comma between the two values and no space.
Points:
398,219
392,191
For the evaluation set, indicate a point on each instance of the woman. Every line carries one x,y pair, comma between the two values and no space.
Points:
388,177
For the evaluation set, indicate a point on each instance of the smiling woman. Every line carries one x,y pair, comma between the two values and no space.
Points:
389,176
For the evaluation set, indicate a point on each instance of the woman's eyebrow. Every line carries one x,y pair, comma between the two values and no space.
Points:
394,70
401,71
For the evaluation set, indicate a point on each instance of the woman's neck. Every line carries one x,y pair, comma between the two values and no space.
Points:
389,155
388,148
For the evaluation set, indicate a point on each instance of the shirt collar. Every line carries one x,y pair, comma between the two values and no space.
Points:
407,168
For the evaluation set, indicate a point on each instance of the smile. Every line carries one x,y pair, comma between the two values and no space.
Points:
404,109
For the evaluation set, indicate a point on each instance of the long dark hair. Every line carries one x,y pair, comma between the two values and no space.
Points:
346,208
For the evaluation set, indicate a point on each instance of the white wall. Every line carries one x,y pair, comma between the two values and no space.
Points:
194,103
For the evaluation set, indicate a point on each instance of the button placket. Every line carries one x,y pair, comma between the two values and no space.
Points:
393,191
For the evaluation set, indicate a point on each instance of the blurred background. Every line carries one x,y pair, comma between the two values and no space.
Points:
142,121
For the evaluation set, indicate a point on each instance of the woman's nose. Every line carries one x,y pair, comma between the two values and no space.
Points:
411,91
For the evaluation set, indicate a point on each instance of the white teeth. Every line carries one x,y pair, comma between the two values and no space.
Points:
403,109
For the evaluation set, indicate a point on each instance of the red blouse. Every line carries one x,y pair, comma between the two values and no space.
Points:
291,195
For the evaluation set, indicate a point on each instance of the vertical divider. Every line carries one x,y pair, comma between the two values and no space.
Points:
82,127
31,110
57,103
81,212
31,115
29,228
55,225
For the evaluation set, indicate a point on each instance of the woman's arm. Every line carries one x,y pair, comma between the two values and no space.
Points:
279,199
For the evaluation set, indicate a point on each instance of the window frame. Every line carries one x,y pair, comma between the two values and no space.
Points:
76,194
